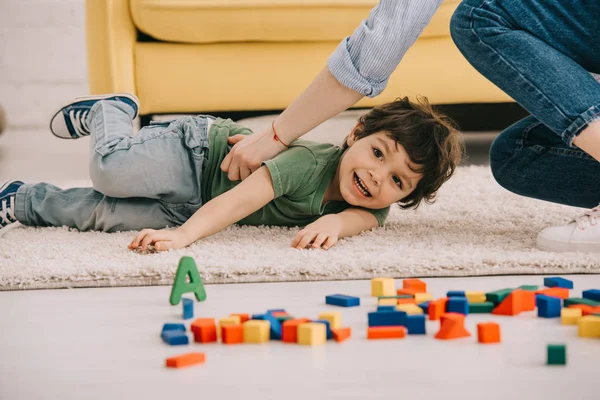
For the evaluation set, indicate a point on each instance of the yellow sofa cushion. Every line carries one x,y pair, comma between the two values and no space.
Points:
212,21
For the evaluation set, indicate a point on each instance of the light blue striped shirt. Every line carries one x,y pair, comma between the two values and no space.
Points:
364,61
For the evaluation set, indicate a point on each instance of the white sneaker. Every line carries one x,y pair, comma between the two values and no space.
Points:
581,234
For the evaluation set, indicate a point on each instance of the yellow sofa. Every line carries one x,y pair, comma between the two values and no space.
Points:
202,56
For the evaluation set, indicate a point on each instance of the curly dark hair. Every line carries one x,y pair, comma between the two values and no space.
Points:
431,140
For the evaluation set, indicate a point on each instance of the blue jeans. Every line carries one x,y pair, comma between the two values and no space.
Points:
541,53
150,180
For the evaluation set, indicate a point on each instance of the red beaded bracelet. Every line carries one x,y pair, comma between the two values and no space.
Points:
275,137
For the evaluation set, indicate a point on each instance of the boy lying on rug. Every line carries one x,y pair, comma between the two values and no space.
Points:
168,175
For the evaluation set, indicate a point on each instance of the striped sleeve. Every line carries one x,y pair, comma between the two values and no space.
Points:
364,61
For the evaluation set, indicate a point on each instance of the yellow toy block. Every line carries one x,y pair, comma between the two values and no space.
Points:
423,297
257,331
589,326
232,320
334,318
387,302
383,287
409,308
475,297
312,333
570,316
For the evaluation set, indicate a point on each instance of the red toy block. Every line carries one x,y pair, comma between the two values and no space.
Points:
289,329
409,291
205,330
198,322
410,300
452,326
243,317
232,334
488,332
386,332
516,302
341,334
279,314
585,309
436,309
185,360
562,293
415,284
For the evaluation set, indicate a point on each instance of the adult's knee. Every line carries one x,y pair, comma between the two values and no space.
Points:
460,26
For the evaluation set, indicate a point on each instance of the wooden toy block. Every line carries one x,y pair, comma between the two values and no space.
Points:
409,292
455,293
548,307
289,329
278,314
452,326
557,281
276,310
187,271
562,293
386,332
198,322
188,308
585,309
591,294
275,324
578,300
386,308
410,309
172,327
497,296
334,318
557,354
423,297
185,360
256,331
175,338
382,287
341,334
341,300
232,320
424,306
458,305
243,317
387,301
475,297
328,333
516,302
414,284
481,308
312,333
415,324
283,318
589,326
488,332
570,316
436,309
530,288
387,318
405,300
205,330
233,334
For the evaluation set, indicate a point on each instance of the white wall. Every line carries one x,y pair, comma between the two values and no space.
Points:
42,58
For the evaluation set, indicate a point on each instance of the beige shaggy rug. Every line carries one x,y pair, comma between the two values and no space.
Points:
475,228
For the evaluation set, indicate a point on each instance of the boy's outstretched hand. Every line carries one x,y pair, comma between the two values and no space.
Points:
164,239
324,233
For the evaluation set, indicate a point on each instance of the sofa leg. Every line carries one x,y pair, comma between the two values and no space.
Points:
145,120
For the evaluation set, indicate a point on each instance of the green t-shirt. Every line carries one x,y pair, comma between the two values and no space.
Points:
300,175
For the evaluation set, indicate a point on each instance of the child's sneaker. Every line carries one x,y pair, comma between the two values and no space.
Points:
582,234
70,121
8,192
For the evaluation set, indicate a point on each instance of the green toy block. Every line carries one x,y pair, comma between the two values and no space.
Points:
481,308
577,300
187,269
557,354
497,296
402,296
529,288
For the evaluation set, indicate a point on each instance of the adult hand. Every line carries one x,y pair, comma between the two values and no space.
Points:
324,233
248,152
164,239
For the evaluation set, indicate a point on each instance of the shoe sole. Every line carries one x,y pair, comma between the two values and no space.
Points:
566,247
14,224
130,96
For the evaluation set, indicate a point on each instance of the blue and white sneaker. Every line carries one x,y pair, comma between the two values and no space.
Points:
70,122
8,192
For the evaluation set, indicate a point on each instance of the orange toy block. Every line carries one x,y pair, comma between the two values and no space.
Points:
290,329
406,301
409,291
516,302
585,309
488,332
341,334
386,332
279,314
436,309
414,284
205,330
562,293
243,317
185,360
452,326
232,334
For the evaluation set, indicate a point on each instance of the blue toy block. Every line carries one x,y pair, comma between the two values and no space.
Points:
276,310
556,281
188,308
342,300
175,338
424,306
455,293
416,324
173,327
592,294
386,308
387,318
458,305
275,333
327,327
548,307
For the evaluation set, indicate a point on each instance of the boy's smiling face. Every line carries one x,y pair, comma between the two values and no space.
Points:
379,165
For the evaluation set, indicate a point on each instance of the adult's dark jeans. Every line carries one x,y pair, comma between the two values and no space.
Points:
541,53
